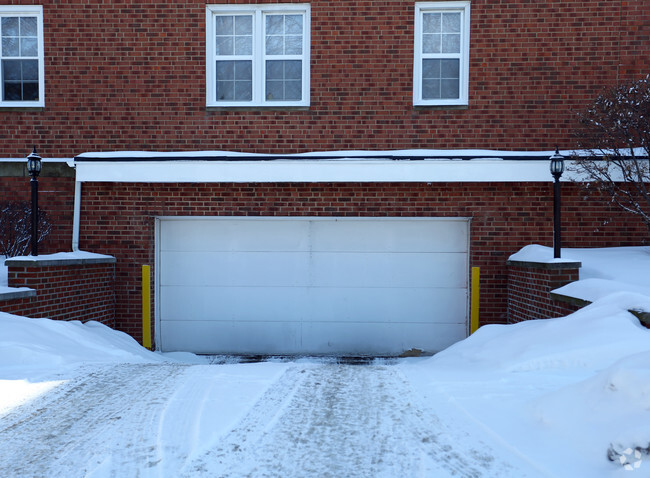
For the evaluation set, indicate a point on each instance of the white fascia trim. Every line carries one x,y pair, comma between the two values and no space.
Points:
316,171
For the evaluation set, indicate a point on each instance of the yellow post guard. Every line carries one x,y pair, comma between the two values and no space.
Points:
146,307
476,279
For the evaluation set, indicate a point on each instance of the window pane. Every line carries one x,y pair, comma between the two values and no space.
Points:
30,91
451,43
274,90
234,80
283,35
28,47
20,80
225,70
9,26
283,80
11,91
30,69
28,27
225,90
293,45
431,23
10,46
243,90
11,70
293,24
431,89
293,90
293,69
244,45
451,22
431,69
274,45
224,25
440,79
449,68
243,71
244,25
449,89
274,70
274,24
225,46
431,43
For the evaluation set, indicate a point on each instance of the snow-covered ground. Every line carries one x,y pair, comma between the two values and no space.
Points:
547,398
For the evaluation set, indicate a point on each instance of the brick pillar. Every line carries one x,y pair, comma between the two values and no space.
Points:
530,285
66,288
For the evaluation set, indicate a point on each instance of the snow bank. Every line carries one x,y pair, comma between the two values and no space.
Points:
45,343
564,393
593,337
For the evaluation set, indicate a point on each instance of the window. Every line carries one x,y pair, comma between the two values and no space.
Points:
258,55
21,56
441,65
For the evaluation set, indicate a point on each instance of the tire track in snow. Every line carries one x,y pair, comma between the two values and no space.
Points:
335,420
77,429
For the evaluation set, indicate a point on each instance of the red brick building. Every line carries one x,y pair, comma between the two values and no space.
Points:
406,80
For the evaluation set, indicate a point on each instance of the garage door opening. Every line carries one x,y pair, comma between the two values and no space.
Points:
311,286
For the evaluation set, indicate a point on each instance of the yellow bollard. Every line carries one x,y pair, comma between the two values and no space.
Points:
476,279
146,307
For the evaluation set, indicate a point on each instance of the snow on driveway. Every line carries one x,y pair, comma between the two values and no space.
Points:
306,418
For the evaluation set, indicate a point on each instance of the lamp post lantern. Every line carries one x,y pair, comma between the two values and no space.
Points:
34,169
557,168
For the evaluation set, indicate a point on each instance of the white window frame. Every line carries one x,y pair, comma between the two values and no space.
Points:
26,11
463,7
259,55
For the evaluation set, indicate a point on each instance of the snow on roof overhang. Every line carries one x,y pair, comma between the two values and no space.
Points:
334,166
400,155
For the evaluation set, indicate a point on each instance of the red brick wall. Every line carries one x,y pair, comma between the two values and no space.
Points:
131,75
65,292
55,197
118,219
530,286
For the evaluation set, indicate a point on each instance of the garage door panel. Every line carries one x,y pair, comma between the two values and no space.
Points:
287,338
388,269
222,269
233,303
214,234
389,305
295,304
389,235
320,269
384,339
232,337
311,285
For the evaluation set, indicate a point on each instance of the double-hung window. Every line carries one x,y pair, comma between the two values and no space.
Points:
21,56
441,64
258,55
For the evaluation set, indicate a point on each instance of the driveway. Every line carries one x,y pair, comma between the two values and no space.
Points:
290,419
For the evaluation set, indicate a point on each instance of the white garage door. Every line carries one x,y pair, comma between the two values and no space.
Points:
310,285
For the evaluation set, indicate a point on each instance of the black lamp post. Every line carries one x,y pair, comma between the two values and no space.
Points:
34,169
557,168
